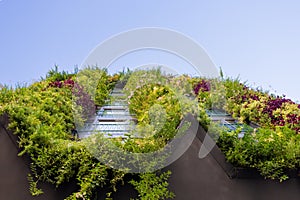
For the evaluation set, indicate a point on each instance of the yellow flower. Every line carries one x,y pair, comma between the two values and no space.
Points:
269,139
280,134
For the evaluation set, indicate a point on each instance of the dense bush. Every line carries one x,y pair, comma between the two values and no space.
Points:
273,148
43,117
44,114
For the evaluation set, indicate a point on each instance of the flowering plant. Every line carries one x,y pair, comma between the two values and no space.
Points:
42,117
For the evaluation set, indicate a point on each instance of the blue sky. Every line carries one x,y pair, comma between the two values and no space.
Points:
256,40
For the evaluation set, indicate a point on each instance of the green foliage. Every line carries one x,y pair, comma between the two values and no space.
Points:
272,149
56,75
95,82
140,78
42,117
211,93
147,94
33,186
159,102
153,187
272,152
90,177
6,95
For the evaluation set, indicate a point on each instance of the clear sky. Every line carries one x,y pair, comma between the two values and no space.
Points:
258,40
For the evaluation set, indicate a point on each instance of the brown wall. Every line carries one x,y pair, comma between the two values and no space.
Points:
195,179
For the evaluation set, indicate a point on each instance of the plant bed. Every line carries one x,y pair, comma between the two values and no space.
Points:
235,171
267,140
41,117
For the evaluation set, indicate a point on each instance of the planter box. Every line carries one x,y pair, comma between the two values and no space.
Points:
234,171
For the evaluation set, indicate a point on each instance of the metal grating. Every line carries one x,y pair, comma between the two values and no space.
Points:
227,121
113,119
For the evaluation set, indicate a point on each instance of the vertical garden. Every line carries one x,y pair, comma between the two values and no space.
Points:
45,114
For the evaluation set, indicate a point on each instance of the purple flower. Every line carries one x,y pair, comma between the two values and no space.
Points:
202,86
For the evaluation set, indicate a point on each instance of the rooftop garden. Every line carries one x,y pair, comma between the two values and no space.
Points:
46,114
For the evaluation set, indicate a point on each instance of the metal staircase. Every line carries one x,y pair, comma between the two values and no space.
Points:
227,121
113,119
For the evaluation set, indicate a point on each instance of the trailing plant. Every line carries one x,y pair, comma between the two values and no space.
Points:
152,186
274,147
272,152
42,117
